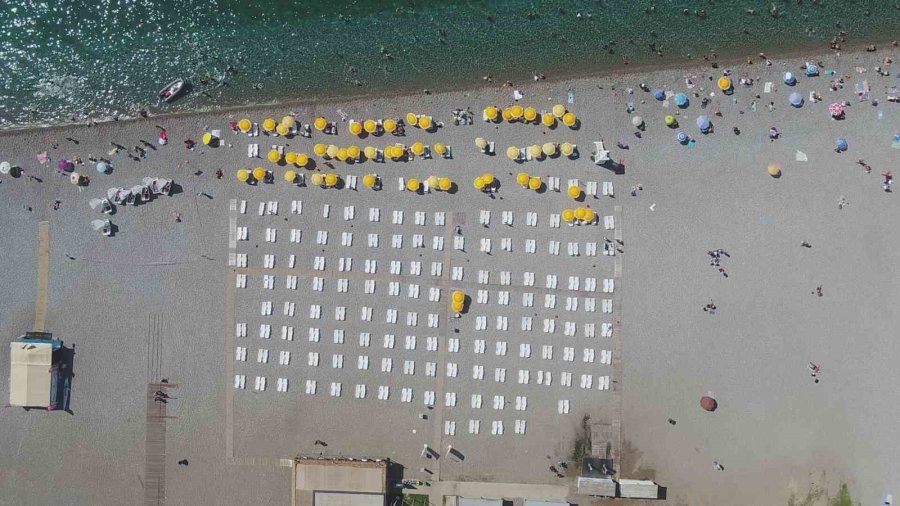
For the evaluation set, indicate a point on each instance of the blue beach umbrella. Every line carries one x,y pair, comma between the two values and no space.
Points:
796,99
102,167
703,124
812,70
789,79
681,100
659,94
682,138
842,144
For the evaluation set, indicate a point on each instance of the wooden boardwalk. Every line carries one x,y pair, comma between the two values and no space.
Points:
155,446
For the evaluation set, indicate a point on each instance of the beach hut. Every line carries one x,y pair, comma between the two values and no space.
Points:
681,100
704,124
40,370
795,99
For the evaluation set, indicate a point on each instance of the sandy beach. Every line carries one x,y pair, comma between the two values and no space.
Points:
158,300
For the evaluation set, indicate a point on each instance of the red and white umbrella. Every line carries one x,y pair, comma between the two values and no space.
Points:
836,109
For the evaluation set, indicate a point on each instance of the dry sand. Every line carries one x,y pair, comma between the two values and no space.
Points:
775,429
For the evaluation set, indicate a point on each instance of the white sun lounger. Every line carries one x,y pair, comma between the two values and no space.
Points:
601,154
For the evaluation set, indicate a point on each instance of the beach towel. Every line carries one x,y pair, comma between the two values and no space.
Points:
571,97
768,87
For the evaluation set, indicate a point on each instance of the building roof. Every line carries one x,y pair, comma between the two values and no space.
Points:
529,502
638,489
339,482
347,499
597,486
465,501
29,373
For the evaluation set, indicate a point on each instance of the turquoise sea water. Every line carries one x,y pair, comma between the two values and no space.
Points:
77,59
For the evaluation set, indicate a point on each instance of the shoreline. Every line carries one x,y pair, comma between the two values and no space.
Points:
573,74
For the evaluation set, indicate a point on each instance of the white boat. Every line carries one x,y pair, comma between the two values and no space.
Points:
172,90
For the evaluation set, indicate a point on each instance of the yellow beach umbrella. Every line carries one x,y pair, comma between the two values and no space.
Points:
259,173
389,151
530,114
289,121
567,149
243,175
440,149
480,143
320,149
488,178
589,215
370,152
418,149
580,213
269,124
390,125
774,170
331,179
317,179
569,119
432,181
535,183
274,156
369,180
512,153
207,138
559,110
568,215
491,112
670,120
320,123
535,151
353,152
522,179
478,183
290,176
459,296
425,122
397,152
283,129
290,158
245,125
356,128
507,114
574,192
412,119
370,126
342,154
413,184
332,151
457,306
548,120
445,184
724,83
549,148
516,111
302,160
